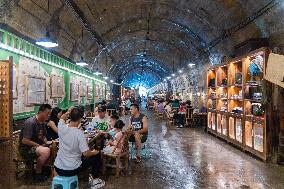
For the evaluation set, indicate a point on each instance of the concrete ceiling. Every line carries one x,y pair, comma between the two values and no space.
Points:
125,38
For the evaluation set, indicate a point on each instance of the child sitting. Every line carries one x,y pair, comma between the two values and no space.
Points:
111,131
116,145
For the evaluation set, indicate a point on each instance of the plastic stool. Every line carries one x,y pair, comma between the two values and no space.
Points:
60,182
144,150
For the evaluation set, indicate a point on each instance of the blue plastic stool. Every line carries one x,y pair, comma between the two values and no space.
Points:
60,182
144,150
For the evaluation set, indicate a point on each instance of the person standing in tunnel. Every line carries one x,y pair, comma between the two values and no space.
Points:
138,123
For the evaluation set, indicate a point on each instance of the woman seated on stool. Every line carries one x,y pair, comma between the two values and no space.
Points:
52,130
112,131
72,145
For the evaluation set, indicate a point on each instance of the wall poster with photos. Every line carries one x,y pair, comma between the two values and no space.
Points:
74,91
89,92
35,90
57,86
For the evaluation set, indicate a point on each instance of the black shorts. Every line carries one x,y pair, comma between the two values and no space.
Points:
28,153
143,139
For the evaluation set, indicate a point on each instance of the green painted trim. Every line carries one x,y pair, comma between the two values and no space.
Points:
25,48
11,45
19,116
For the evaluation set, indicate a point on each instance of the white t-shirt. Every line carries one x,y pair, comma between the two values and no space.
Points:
72,143
98,123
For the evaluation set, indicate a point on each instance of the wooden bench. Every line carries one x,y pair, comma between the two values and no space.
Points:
189,117
21,165
170,120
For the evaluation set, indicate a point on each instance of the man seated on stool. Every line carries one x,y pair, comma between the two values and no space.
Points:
138,123
33,140
72,145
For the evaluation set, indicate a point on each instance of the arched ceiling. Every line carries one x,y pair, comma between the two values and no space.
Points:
128,37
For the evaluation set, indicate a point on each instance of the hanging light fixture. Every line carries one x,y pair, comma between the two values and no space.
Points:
168,77
106,77
191,64
47,41
98,72
111,81
81,62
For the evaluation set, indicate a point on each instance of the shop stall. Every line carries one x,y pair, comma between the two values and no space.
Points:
237,109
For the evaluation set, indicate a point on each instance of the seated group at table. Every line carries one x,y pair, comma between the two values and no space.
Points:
175,109
70,129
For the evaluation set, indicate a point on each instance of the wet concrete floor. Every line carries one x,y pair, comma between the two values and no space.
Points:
189,158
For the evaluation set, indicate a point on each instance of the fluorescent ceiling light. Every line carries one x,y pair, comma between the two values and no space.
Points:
47,42
106,77
180,71
82,62
168,77
111,81
98,72
191,64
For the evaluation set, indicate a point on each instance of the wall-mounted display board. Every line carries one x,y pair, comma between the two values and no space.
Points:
57,86
275,69
235,93
35,90
89,92
82,89
6,99
74,91
97,90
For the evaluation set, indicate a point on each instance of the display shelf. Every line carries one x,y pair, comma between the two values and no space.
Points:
239,130
235,111
248,133
209,120
213,121
252,100
219,123
221,76
224,124
258,133
232,127
211,79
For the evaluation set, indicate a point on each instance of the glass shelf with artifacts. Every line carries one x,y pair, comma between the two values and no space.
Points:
235,99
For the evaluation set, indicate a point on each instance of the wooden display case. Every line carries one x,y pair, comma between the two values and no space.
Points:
224,124
219,123
234,102
6,99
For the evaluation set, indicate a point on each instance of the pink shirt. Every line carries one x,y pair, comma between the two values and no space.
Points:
118,142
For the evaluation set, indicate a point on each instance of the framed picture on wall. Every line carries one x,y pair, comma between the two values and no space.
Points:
74,91
57,86
89,92
35,90
82,89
